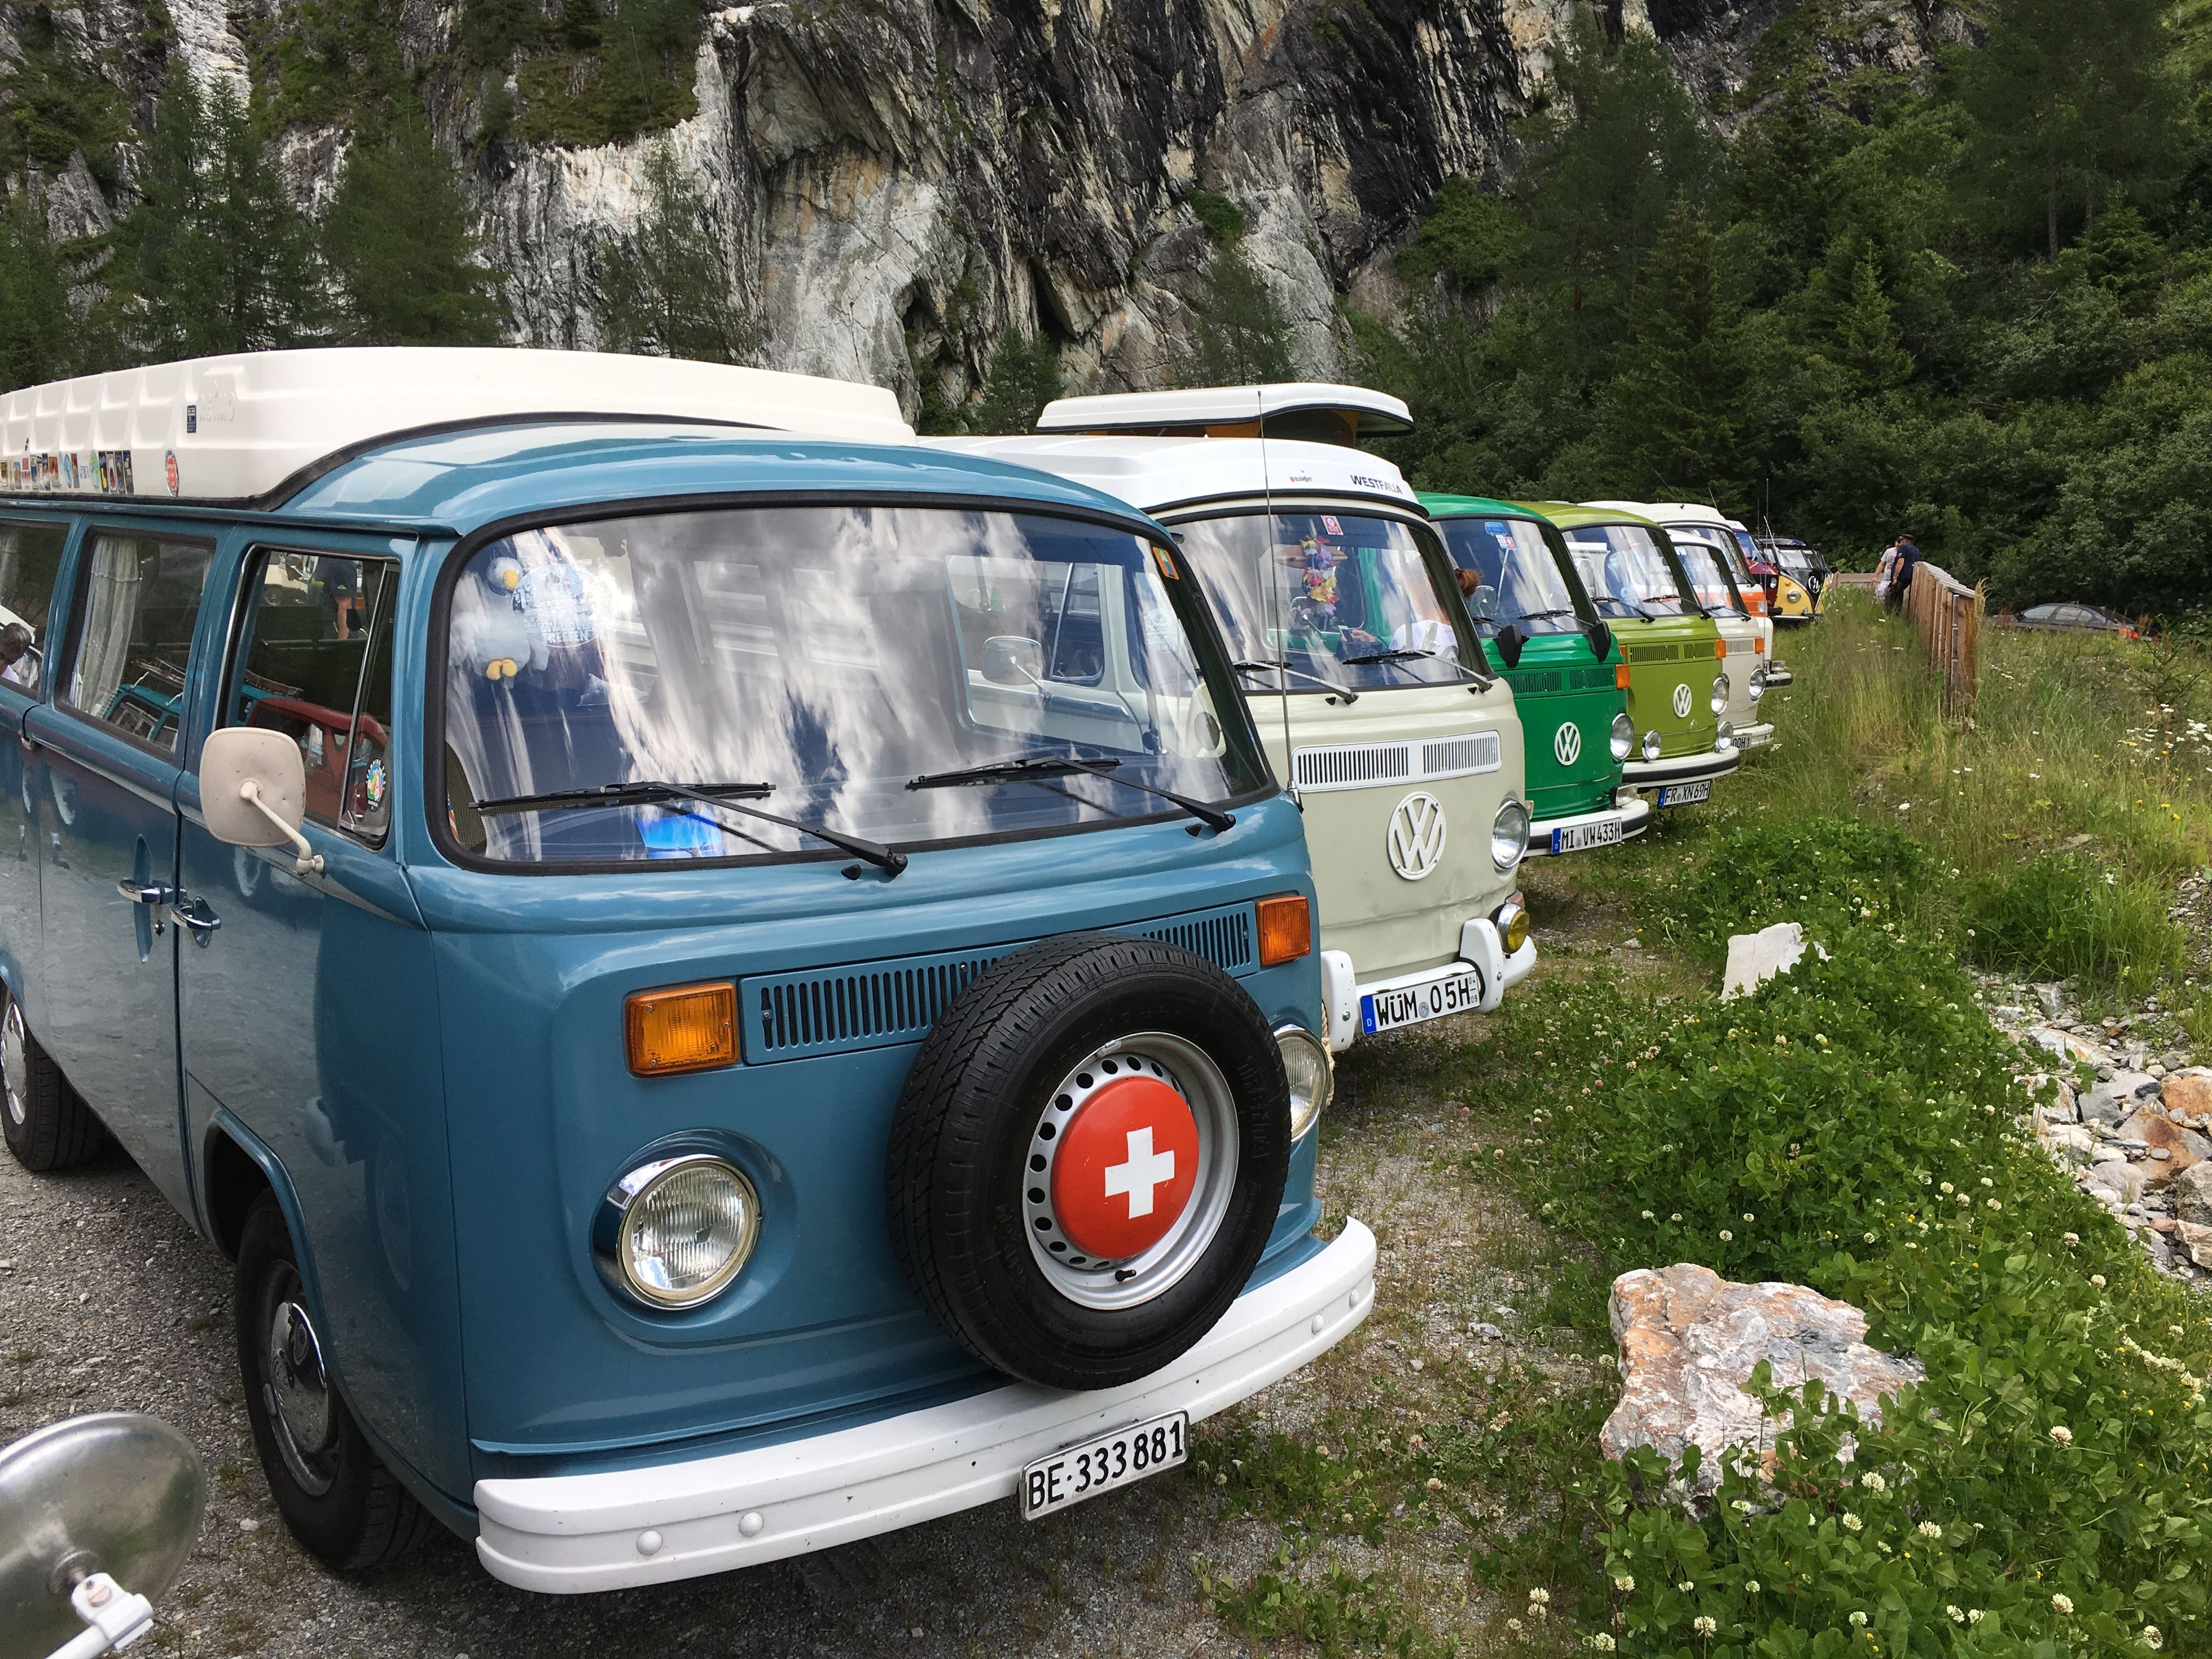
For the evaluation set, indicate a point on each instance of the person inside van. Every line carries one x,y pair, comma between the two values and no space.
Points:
19,661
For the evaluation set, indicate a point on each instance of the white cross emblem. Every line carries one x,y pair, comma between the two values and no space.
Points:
1144,1170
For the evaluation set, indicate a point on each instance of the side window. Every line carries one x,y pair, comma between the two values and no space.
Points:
30,554
141,598
314,662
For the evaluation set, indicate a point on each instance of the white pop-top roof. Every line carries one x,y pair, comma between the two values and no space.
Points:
1158,475
1187,414
235,428
1671,514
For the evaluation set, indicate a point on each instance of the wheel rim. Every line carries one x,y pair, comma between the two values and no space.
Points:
296,1390
1108,1282
14,1066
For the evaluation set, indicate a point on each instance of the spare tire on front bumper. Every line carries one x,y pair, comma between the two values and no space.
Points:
1087,1157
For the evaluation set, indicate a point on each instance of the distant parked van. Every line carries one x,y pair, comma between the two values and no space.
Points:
1362,671
628,899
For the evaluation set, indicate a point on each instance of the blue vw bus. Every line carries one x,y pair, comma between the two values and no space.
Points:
707,1027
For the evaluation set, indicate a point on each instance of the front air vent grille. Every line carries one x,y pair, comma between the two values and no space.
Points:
1354,766
1456,758
1377,765
832,1011
1655,653
1541,681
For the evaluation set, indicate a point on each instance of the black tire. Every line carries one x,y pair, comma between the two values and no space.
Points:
955,1172
343,1504
46,1123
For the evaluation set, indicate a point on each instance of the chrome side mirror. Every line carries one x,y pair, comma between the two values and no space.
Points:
97,1514
253,792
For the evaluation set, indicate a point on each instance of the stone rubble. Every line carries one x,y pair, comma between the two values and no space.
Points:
2139,1138
1689,1339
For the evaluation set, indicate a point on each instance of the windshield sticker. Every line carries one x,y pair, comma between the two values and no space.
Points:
374,785
1166,564
1331,526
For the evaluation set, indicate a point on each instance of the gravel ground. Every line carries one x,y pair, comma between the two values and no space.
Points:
109,1301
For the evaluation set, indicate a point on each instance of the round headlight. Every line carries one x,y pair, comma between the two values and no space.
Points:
1651,745
1758,682
1509,835
1512,927
676,1232
1726,738
1720,693
1312,1074
1624,737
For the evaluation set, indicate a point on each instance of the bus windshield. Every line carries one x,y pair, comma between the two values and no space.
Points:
1705,564
1517,575
816,663
1623,564
1345,599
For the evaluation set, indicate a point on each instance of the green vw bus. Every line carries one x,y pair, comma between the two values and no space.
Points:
1539,630
1678,685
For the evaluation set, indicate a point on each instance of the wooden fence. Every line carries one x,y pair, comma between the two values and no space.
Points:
1947,615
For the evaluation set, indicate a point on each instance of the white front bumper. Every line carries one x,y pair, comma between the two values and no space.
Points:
1633,814
566,1534
1754,737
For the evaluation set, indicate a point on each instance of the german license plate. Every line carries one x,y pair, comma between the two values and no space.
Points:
1410,1004
1113,1460
1577,838
1684,794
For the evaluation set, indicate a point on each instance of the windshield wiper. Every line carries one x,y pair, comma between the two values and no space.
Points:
1035,768
720,797
1531,616
1402,655
1265,664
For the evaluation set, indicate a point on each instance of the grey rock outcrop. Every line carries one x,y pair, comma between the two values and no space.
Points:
1689,1339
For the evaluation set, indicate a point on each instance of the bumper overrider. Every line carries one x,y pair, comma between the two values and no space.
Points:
1778,673
615,1529
1631,812
1682,769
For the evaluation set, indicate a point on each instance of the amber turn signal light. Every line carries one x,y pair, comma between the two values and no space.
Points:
1620,676
681,1028
1720,649
1285,929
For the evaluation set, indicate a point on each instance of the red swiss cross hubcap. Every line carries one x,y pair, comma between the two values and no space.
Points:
1127,1165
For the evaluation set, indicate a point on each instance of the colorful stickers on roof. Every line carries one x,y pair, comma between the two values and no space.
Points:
79,471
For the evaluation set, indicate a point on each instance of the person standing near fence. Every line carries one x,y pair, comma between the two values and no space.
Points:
1900,580
1885,571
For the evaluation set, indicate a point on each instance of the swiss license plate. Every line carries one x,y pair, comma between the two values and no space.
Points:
1409,1005
1577,838
1113,1460
1684,794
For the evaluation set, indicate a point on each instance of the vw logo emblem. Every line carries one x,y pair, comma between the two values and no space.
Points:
1567,742
1682,703
1416,835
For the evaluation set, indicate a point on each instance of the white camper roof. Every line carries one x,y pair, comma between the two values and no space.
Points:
1160,475
1671,514
236,427
1230,411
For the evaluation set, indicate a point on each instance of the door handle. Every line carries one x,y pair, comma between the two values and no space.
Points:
194,916
145,892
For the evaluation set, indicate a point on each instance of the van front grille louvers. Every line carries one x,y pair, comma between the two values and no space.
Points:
1536,681
878,1004
1655,653
1374,765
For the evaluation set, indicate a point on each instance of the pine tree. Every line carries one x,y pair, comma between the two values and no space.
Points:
36,326
214,257
667,291
1022,378
1240,334
402,242
1669,421
1869,342
2071,103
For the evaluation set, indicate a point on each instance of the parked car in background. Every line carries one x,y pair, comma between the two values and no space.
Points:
1803,565
1364,674
759,991
1678,688
2070,617
1540,628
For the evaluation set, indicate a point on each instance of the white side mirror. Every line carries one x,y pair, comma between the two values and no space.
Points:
253,791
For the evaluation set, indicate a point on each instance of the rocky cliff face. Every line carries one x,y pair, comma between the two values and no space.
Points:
899,179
